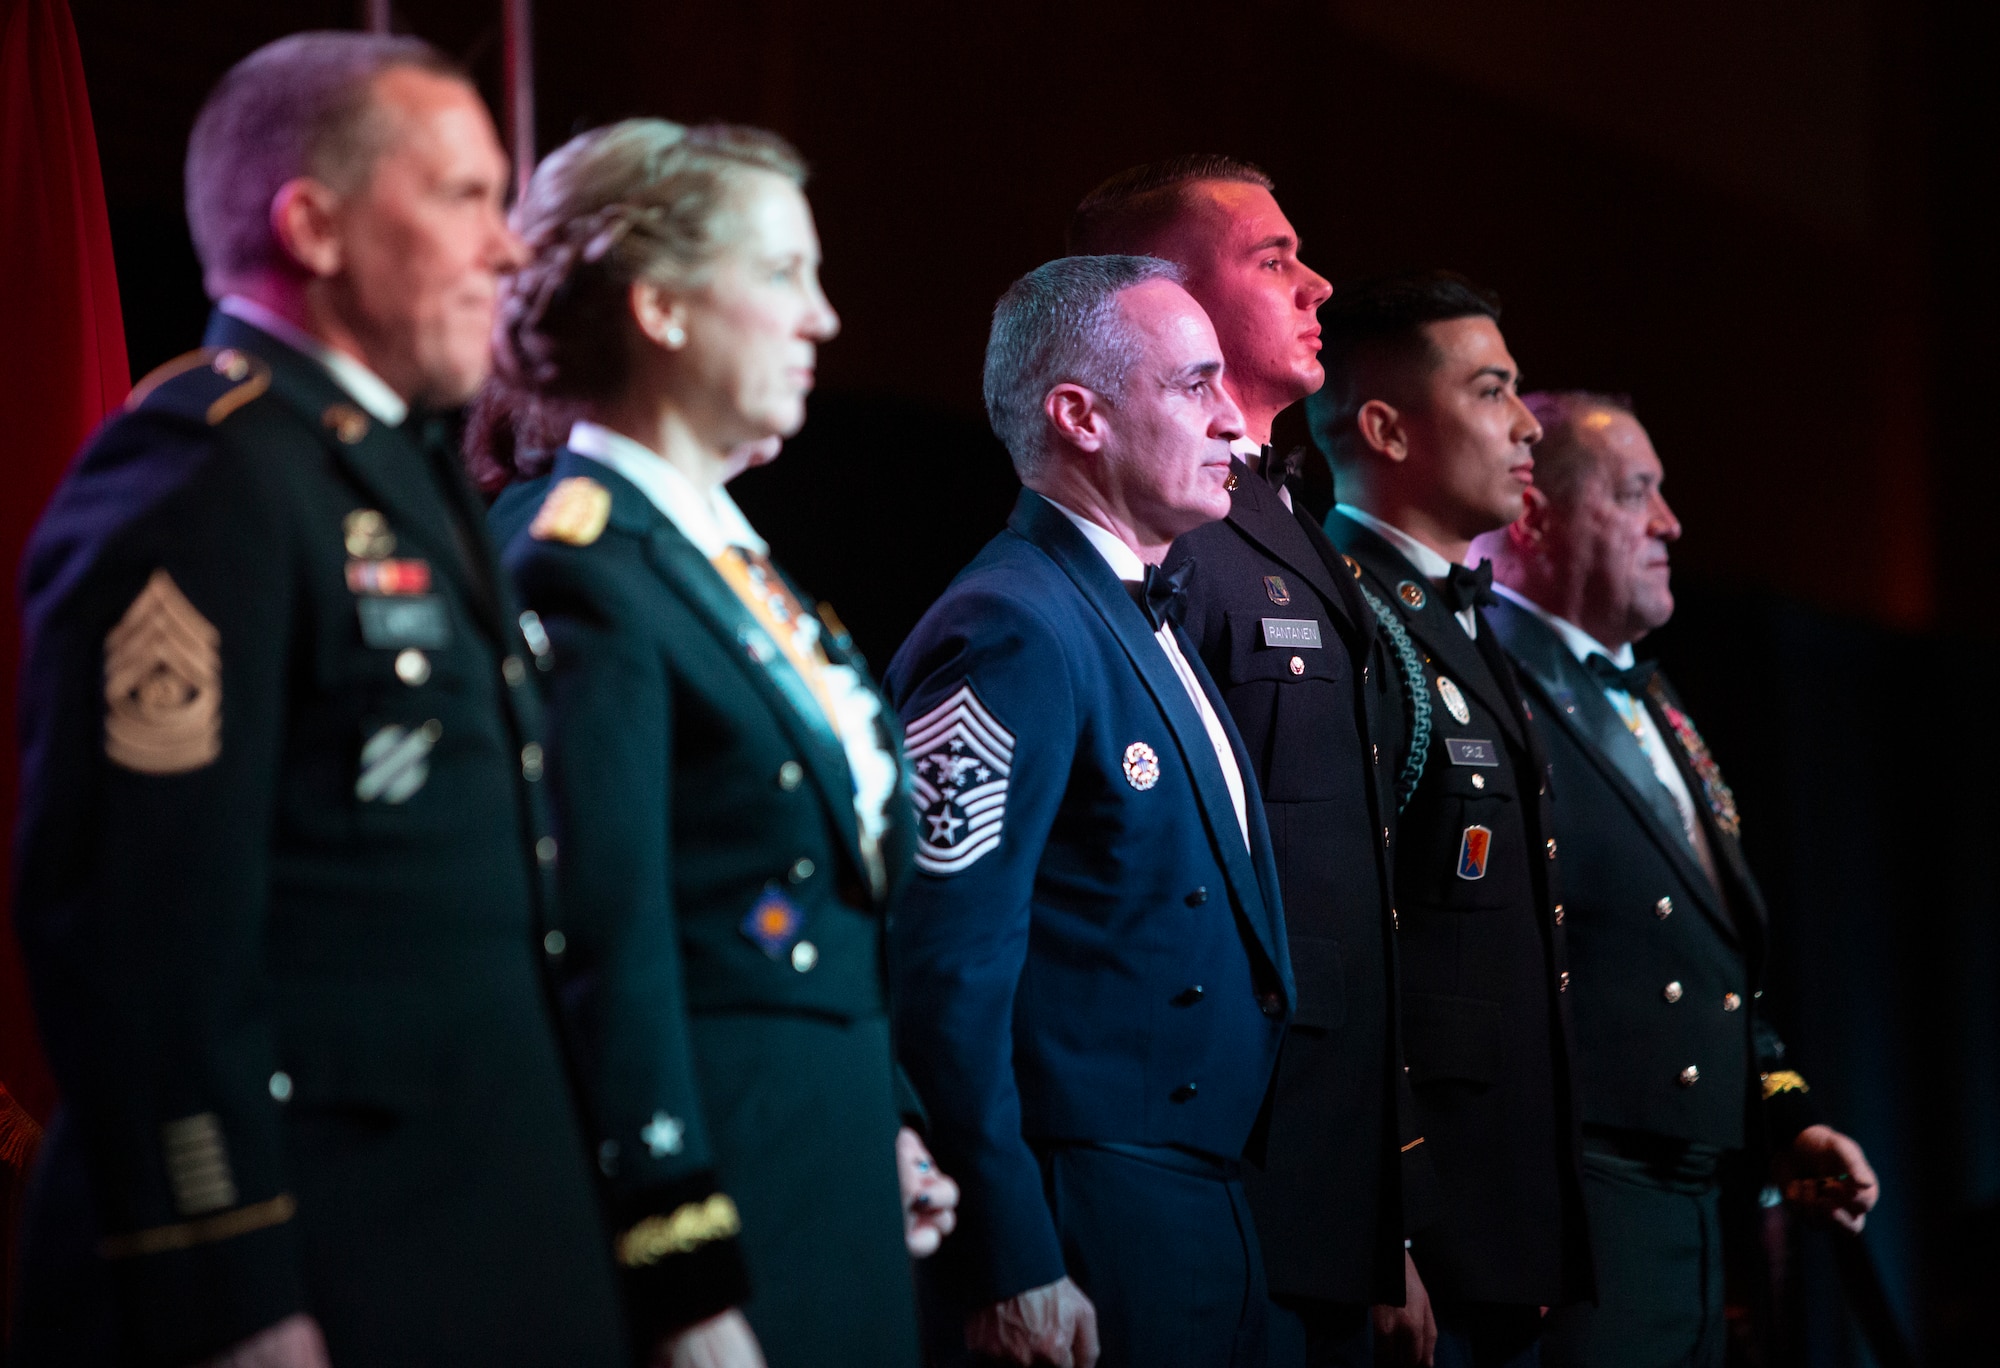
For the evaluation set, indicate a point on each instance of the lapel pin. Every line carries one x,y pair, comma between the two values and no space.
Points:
347,422
1454,701
1412,593
1142,766
1274,585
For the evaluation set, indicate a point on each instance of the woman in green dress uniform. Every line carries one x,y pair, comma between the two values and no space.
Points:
730,808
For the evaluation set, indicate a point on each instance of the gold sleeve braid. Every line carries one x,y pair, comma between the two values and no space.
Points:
1783,1081
208,1230
683,1231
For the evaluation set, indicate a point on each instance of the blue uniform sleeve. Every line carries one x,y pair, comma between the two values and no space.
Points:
611,748
991,733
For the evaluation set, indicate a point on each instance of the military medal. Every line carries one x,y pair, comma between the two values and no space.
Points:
1454,701
1472,849
1142,766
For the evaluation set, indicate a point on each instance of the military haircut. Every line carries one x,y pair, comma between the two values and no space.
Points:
1372,336
1060,324
301,106
1128,212
1564,455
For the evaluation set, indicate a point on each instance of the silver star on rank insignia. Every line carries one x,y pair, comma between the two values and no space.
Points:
663,1134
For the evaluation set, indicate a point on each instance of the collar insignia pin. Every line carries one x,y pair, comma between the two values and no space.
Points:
347,422
366,535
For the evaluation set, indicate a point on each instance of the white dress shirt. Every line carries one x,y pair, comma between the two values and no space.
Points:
363,385
1637,720
714,523
1128,567
1429,563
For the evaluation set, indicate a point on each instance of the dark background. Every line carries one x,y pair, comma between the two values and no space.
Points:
1769,223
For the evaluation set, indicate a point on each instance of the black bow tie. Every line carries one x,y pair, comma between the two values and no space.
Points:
1632,681
1463,588
1278,469
1162,595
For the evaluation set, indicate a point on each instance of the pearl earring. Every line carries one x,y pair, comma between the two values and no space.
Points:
675,335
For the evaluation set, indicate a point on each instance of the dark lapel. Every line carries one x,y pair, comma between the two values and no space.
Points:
395,474
1256,511
688,575
1452,652
899,837
1252,880
1573,698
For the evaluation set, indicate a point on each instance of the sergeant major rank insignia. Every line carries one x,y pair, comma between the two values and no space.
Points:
163,684
960,757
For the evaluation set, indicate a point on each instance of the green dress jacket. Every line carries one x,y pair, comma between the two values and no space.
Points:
284,887
725,938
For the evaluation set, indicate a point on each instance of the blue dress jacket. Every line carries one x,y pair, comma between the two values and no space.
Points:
1088,953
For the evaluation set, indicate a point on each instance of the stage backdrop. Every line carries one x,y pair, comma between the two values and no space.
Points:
62,368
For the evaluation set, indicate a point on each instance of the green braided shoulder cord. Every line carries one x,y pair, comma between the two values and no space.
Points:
1415,689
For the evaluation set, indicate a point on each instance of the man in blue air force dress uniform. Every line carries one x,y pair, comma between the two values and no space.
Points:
1667,928
1090,971
1294,650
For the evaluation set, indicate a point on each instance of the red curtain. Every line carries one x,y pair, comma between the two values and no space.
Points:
62,368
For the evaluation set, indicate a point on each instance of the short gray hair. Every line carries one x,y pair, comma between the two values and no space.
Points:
1061,324
301,106
1566,455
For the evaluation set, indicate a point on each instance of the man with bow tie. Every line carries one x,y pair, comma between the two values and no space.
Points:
1284,630
1667,928
1090,971
1431,446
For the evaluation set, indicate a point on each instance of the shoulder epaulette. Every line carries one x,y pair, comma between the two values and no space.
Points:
213,382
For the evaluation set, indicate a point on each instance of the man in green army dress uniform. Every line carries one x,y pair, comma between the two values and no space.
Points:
285,867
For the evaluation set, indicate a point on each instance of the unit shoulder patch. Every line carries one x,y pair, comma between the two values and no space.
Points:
960,758
574,512
163,684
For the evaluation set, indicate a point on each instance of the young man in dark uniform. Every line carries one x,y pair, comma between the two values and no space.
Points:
1284,630
1667,927
285,864
1430,446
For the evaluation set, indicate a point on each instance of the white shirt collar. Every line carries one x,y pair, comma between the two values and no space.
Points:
1246,447
1428,562
1581,644
363,386
711,521
1124,562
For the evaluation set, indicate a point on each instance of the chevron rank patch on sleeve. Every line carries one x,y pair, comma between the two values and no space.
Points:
163,684
960,757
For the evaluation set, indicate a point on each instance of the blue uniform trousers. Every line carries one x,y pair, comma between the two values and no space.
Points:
1162,1243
